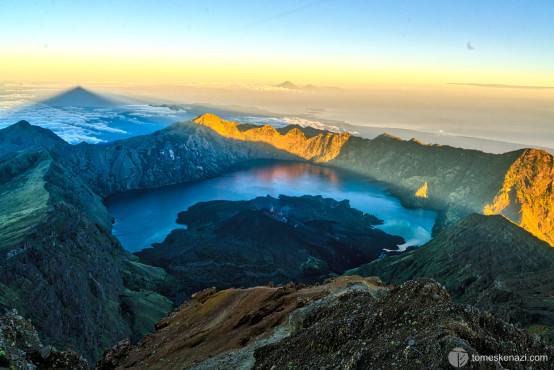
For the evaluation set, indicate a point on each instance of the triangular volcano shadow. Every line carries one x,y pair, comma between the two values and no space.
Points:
80,97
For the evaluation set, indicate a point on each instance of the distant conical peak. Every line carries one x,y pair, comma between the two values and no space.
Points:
288,85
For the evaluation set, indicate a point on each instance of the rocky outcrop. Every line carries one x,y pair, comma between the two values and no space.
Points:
349,322
527,194
486,261
414,325
227,325
21,348
248,243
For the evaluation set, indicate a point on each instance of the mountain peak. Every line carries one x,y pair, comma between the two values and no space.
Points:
416,141
22,124
206,117
288,85
22,135
386,136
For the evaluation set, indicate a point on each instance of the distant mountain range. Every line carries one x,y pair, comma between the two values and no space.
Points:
63,268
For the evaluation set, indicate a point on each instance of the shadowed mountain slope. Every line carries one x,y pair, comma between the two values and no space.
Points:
486,261
179,153
23,135
60,265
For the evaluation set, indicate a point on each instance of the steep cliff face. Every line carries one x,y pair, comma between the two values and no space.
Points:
486,261
527,195
349,322
456,181
179,153
60,265
24,198
453,181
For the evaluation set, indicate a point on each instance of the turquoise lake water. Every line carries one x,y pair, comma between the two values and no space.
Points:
148,216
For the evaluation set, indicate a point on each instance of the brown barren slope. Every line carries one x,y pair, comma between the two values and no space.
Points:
215,322
348,323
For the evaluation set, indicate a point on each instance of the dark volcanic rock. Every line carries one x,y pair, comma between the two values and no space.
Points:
20,348
347,323
249,243
413,326
486,261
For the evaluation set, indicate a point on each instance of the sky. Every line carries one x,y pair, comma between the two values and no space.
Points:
328,43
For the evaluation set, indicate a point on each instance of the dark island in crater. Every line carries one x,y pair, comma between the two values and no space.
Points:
249,243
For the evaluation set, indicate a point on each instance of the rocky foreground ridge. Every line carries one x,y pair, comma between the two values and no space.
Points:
21,348
62,267
347,323
488,262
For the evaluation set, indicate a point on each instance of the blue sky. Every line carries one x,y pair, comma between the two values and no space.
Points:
513,40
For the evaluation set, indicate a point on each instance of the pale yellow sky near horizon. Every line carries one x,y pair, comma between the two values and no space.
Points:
74,70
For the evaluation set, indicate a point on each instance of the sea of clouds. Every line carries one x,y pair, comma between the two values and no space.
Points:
21,101
75,124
